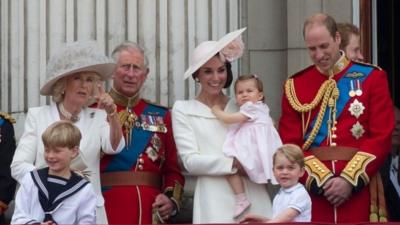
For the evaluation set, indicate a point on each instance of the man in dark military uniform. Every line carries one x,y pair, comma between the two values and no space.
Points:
340,112
143,184
7,149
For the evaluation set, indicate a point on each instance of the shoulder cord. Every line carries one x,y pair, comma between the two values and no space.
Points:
328,93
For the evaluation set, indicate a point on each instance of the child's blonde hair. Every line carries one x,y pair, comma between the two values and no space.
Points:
61,134
254,77
292,152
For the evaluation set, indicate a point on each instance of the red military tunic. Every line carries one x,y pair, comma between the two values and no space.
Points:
365,124
150,153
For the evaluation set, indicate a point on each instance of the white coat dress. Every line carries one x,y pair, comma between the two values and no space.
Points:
199,138
95,131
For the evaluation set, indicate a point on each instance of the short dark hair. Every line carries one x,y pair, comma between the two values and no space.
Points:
345,31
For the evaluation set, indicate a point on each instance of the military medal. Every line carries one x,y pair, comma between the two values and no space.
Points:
356,108
352,93
156,142
151,153
357,130
153,123
358,91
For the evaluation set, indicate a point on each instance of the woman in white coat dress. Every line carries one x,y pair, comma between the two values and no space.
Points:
74,75
199,135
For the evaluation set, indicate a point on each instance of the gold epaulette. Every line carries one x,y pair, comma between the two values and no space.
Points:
367,64
355,168
317,170
7,117
154,103
175,194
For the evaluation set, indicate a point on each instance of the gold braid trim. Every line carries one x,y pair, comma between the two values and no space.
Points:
294,101
327,91
7,117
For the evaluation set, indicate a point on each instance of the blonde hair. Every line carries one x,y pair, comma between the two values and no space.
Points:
61,134
292,152
58,89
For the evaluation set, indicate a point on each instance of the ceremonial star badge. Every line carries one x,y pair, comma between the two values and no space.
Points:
152,153
357,130
356,108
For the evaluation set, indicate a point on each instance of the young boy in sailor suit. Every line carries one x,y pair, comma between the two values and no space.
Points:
55,194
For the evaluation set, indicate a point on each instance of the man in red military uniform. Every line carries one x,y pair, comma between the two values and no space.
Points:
340,113
143,184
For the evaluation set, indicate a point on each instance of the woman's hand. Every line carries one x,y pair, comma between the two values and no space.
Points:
48,223
252,218
104,101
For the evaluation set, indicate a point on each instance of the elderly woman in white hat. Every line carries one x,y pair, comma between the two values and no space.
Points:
74,81
199,135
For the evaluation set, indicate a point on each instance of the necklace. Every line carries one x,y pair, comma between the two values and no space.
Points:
67,115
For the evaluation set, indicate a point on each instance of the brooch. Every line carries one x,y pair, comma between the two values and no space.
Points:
355,75
357,130
151,153
356,108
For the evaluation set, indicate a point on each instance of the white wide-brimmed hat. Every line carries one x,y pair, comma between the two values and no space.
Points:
80,56
207,49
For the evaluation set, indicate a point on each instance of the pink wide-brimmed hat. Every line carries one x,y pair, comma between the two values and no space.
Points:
80,56
231,46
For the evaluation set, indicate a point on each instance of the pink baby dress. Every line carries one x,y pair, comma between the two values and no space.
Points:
254,142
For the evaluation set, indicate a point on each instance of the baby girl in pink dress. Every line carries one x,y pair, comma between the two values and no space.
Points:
252,138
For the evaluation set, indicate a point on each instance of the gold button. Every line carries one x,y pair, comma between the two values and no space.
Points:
141,161
140,167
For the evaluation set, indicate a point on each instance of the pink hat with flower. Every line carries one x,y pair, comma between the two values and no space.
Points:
229,46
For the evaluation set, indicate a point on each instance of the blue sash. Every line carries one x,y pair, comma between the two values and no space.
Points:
127,158
1,121
343,85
